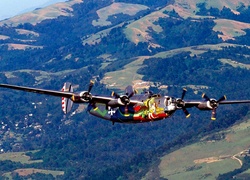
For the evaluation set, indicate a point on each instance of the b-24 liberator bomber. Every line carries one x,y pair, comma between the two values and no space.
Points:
130,107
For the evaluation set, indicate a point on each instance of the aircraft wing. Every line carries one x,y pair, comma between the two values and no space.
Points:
97,99
40,91
235,102
190,103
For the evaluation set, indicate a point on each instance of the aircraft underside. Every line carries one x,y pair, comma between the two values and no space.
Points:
128,114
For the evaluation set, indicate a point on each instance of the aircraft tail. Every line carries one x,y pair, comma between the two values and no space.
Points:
67,103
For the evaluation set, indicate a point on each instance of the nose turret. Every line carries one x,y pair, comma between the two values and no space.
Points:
169,104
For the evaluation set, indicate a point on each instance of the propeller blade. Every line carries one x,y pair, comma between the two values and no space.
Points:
181,103
186,112
129,89
213,117
222,98
205,97
115,94
130,95
91,84
183,93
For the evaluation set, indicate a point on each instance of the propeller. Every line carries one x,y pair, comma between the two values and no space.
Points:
181,103
86,95
125,99
213,104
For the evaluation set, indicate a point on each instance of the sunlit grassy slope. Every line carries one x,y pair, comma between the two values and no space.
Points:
50,12
213,155
129,75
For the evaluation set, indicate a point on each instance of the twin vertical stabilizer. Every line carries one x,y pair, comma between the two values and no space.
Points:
67,102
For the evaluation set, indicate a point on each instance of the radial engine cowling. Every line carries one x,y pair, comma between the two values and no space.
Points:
85,96
124,100
180,103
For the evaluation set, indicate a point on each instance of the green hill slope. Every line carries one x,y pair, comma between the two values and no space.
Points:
212,155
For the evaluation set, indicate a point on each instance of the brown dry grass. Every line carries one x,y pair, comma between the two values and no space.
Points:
230,28
49,12
116,8
27,32
22,47
29,171
138,30
2,37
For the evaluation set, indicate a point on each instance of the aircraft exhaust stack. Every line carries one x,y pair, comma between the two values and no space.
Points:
67,103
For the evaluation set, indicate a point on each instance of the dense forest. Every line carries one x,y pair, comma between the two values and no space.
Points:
85,147
226,12
203,70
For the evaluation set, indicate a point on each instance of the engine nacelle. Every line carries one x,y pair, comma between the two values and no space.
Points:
122,101
208,105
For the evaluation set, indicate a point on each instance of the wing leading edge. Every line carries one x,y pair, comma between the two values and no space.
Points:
66,94
40,91
190,103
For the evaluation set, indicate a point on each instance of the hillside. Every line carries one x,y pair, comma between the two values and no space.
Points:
40,14
213,155
157,45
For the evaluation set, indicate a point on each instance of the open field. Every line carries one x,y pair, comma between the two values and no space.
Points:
2,37
137,31
126,75
24,159
230,29
208,158
116,8
12,46
195,50
235,63
18,157
29,171
97,37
